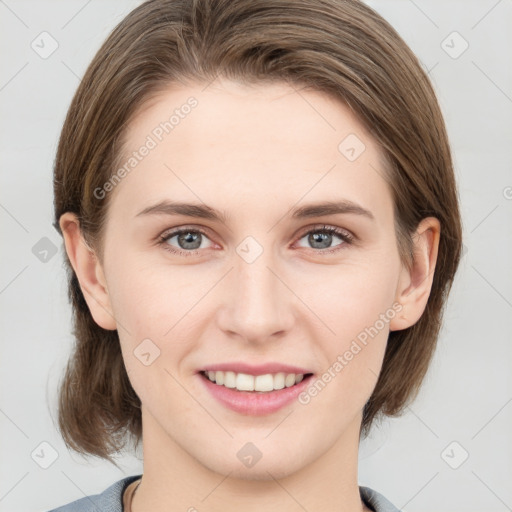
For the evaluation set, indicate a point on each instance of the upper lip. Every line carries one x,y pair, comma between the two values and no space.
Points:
255,369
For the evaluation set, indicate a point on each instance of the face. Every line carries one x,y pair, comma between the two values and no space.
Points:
259,284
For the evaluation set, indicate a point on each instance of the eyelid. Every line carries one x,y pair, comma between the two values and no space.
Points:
327,227
176,231
172,232
301,232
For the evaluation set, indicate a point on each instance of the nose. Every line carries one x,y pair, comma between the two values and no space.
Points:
258,305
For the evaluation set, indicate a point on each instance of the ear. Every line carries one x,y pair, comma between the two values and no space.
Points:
88,271
415,284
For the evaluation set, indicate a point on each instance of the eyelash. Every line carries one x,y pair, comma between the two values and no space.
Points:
347,238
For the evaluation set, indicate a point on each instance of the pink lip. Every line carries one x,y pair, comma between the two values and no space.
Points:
254,403
260,369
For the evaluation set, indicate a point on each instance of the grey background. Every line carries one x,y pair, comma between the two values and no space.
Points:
465,406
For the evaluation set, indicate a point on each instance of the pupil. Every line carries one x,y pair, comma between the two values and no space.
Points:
189,240
319,237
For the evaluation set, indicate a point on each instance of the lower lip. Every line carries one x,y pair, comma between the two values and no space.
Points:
254,403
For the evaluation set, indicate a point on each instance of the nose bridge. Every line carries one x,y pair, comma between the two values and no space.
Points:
258,300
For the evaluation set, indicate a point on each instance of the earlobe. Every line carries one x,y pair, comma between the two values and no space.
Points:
88,271
415,283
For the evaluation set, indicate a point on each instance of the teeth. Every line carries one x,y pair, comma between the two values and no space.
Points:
279,380
264,382
289,380
229,379
245,382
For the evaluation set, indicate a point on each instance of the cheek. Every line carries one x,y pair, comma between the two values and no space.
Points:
153,340
140,324
351,297
357,305
148,300
352,363
154,309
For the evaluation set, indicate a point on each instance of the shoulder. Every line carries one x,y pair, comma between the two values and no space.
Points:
375,501
110,500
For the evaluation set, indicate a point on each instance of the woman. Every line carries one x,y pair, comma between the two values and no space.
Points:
261,224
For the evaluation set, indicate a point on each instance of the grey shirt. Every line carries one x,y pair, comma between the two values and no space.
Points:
111,499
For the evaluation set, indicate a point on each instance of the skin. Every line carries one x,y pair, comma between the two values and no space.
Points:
254,152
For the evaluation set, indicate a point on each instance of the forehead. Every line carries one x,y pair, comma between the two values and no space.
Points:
265,142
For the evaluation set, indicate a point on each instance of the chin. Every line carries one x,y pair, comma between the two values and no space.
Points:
272,465
260,472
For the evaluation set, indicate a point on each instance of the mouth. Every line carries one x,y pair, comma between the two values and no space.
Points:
260,384
255,390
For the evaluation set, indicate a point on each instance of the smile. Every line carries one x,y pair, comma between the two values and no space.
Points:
254,395
262,383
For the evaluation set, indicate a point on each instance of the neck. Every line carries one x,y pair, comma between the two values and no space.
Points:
173,480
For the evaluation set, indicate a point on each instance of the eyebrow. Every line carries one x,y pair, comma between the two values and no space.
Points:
205,212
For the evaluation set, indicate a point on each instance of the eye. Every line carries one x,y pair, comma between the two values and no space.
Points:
189,241
321,238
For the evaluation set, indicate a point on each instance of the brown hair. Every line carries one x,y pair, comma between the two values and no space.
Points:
340,47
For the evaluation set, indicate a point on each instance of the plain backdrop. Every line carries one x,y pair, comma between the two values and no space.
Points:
452,449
